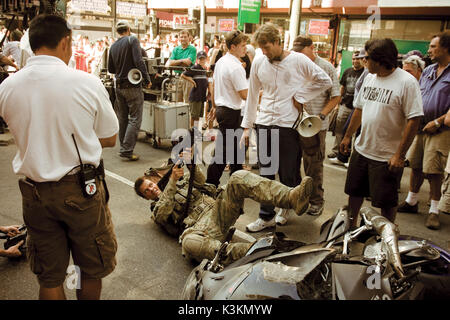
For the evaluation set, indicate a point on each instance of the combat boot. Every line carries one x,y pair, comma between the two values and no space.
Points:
299,196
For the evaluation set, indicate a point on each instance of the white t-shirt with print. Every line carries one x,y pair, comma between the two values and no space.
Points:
387,103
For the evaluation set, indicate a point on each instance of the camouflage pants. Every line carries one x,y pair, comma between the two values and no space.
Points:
204,238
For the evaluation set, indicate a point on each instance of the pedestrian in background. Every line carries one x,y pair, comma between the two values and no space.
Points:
348,82
197,97
429,151
183,55
126,54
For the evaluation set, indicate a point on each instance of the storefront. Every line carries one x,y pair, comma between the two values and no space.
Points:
96,19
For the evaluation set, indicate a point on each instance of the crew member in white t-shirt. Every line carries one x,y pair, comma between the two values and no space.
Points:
230,89
388,108
60,117
282,75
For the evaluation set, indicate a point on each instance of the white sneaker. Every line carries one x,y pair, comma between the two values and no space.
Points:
260,224
338,162
282,216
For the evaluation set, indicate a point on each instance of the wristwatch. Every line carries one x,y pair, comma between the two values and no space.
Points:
322,116
437,124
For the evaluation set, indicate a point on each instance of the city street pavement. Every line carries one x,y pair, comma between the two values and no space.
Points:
149,262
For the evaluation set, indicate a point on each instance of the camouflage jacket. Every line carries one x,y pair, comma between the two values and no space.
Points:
168,210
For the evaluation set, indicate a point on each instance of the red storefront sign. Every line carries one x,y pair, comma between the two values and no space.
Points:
226,25
318,27
165,19
175,21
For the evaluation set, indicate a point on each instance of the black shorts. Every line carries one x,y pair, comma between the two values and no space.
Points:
366,177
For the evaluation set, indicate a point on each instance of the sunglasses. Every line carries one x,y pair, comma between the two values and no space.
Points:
366,57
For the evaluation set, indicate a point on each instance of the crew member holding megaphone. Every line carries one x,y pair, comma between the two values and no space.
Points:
312,124
126,62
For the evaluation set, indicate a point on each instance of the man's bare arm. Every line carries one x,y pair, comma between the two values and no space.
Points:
108,142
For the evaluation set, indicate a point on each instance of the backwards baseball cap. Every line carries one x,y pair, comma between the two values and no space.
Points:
361,54
201,54
300,43
123,24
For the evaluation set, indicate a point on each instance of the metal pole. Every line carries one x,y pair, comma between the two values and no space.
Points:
114,16
202,25
294,23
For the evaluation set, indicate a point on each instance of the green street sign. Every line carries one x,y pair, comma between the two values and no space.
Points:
249,12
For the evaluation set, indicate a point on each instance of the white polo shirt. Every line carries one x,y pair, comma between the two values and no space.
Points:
229,79
295,76
43,104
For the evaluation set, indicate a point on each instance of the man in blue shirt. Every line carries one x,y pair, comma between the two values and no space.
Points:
124,55
429,151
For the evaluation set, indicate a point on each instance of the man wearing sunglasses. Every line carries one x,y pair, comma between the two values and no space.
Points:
388,108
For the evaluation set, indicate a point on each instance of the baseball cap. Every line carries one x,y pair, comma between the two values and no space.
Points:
123,24
201,54
362,54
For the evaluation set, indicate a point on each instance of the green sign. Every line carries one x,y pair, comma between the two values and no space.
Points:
249,11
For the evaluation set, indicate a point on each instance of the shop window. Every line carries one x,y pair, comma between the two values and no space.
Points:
354,33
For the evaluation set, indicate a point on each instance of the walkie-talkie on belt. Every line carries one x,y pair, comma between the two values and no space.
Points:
87,176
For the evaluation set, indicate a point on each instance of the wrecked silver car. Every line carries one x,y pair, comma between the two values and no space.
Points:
371,262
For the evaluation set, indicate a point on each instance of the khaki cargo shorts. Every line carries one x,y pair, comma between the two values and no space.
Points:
430,152
61,221
196,109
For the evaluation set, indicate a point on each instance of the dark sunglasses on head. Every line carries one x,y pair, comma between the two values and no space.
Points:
236,33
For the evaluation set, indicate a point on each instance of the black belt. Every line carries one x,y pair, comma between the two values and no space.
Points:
99,172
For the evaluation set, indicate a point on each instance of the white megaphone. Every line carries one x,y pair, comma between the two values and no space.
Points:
135,76
308,125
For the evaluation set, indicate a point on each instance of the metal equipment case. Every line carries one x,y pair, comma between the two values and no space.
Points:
170,116
148,115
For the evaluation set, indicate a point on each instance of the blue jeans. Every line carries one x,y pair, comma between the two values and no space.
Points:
129,103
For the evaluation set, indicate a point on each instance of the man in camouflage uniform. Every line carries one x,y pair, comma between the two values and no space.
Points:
213,211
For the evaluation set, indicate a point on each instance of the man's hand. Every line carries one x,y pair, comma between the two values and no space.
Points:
186,155
14,252
245,138
430,128
149,85
212,114
177,172
10,231
396,163
344,147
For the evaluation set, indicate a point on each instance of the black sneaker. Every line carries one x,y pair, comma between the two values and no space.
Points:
406,207
332,155
130,157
